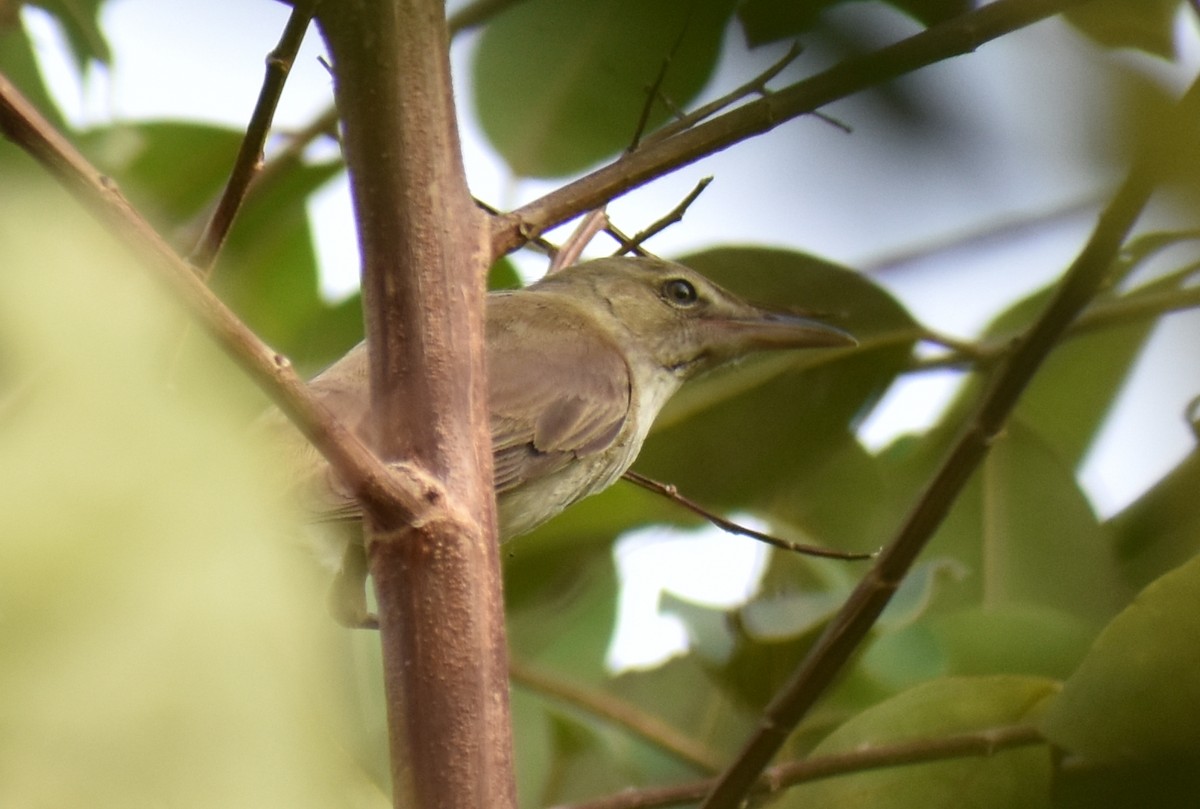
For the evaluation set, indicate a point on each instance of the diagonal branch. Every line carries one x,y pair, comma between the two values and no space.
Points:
1082,282
402,491
955,37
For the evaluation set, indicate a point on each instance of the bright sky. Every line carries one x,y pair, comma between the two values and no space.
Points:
1015,149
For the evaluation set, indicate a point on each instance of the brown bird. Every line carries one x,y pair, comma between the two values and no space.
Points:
579,365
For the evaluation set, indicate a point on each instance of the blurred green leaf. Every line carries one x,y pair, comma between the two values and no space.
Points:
268,272
1161,529
1020,524
1164,782
562,604
585,754
151,576
809,501
1136,695
772,420
168,170
1072,394
680,693
80,20
1011,639
1145,25
1005,780
561,84
18,63
174,172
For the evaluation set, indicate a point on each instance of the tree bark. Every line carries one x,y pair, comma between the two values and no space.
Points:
424,248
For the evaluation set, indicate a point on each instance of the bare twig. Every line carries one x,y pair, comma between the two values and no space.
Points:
624,242
573,247
249,157
975,744
955,37
669,491
401,492
619,712
673,216
845,632
756,86
1109,314
654,91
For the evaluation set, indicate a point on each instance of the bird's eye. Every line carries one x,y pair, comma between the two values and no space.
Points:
679,292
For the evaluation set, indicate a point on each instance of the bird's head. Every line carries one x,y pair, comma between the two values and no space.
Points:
682,321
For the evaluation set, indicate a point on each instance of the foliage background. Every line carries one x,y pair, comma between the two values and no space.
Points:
162,628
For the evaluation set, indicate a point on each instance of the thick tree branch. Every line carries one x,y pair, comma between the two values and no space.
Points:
961,35
845,632
405,492
424,264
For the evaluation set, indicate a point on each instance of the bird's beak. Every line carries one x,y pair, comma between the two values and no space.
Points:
766,330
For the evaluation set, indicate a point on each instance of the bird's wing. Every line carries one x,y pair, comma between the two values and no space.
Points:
558,389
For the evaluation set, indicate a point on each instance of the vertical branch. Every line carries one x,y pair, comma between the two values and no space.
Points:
424,260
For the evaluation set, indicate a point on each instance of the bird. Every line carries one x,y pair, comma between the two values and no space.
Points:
579,364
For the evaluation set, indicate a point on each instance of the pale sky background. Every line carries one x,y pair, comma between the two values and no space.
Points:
1014,152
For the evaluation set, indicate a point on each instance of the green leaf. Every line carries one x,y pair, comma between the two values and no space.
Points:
80,20
174,173
765,21
560,84
1027,534
1145,25
768,422
152,578
268,272
1012,639
1161,529
1136,696
19,64
809,501
569,751
1072,394
561,602
1008,779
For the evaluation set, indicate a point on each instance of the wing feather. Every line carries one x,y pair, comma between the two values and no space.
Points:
559,390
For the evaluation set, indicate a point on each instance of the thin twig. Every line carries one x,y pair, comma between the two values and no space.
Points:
654,91
625,242
958,36
573,247
756,86
249,156
669,491
673,216
619,712
976,744
1103,315
843,635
